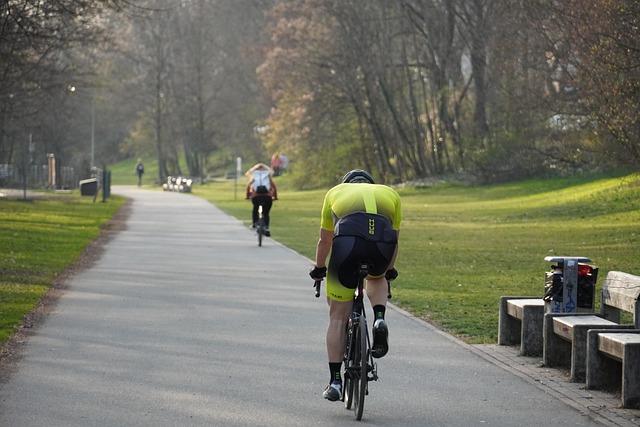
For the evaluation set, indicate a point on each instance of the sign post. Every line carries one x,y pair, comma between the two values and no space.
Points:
51,171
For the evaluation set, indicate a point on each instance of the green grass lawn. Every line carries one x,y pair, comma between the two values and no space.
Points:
463,247
38,240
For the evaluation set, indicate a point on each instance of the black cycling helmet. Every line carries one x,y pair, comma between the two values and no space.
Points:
357,176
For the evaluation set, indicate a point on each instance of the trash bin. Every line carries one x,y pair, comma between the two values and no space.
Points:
89,187
570,285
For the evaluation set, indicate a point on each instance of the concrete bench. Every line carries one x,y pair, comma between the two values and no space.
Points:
520,322
565,335
613,359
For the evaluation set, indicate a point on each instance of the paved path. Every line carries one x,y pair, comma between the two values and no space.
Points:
185,321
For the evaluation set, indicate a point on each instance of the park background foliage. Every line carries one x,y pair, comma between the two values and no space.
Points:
485,90
498,90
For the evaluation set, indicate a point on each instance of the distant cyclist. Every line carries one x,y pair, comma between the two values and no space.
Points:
360,223
262,191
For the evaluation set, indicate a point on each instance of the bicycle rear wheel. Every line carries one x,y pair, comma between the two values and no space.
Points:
360,385
260,227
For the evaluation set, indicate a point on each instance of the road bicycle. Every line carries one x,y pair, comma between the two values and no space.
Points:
261,227
359,365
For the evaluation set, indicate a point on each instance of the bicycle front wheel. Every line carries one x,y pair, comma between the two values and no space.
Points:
259,236
360,385
349,364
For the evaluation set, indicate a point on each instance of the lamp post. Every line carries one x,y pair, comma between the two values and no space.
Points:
26,162
73,89
93,132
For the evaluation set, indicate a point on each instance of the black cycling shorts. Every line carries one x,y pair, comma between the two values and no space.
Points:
347,254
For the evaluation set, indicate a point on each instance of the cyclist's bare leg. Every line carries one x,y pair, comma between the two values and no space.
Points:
377,291
338,316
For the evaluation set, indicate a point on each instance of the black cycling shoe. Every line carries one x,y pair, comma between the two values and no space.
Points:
333,391
380,339
267,233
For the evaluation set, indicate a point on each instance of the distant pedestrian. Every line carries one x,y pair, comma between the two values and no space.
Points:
139,171
275,164
284,163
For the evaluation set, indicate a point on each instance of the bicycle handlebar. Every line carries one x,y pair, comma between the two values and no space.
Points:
317,286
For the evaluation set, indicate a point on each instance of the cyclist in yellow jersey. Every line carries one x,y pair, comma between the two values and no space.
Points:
360,222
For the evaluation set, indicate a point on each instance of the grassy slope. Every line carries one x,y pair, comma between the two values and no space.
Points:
123,173
38,240
464,247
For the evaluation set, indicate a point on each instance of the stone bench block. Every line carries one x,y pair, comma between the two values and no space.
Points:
565,340
520,322
606,350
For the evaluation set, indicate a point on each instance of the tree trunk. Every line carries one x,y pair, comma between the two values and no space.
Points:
479,69
363,141
419,131
3,115
382,150
162,162
478,65
396,119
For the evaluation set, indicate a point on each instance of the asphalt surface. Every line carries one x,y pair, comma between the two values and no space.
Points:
185,321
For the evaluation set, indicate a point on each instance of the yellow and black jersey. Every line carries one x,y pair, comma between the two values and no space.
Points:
346,199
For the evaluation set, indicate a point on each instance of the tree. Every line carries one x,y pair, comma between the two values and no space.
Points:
39,63
604,37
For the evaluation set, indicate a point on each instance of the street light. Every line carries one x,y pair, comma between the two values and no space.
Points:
93,132
73,89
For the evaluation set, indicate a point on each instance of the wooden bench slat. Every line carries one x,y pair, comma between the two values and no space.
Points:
563,325
515,306
531,301
621,290
613,344
582,320
622,338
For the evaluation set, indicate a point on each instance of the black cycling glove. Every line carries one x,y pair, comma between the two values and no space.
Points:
391,274
318,273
